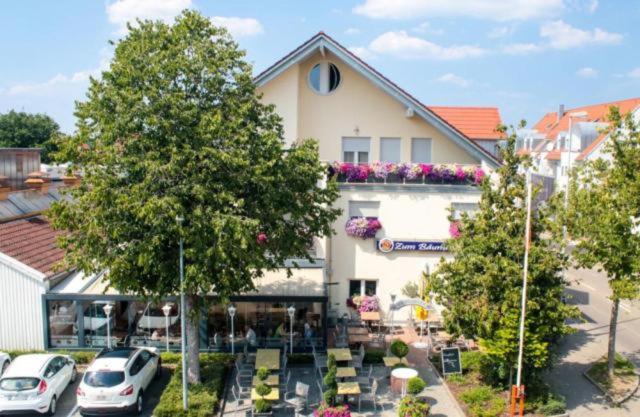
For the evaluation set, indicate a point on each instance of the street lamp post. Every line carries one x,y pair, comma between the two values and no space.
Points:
232,313
183,320
291,310
568,176
108,308
166,309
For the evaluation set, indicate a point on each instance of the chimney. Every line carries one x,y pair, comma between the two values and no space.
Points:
560,112
4,188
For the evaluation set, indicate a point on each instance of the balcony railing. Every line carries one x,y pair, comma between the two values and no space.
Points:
406,173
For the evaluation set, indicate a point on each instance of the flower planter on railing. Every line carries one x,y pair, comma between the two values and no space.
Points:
407,173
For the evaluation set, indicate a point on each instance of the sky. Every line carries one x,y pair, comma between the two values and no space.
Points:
524,56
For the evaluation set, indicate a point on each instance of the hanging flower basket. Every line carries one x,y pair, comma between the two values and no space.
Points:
369,303
363,227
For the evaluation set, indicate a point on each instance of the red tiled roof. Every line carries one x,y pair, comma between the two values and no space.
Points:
554,155
31,241
592,146
473,122
595,113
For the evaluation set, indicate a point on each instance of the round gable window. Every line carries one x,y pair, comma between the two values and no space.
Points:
324,78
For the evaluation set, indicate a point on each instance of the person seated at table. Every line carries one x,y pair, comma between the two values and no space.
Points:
309,332
250,335
279,332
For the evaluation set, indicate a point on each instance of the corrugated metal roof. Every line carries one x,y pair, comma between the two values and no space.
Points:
24,202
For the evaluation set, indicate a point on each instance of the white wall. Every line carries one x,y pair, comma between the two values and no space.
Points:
21,289
405,215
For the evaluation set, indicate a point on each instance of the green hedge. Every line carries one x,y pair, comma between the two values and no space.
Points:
374,356
204,398
81,357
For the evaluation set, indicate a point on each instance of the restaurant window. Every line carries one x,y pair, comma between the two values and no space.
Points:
390,149
420,150
63,327
362,287
364,208
355,150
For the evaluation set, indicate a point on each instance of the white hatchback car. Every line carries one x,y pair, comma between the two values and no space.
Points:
5,361
117,379
34,383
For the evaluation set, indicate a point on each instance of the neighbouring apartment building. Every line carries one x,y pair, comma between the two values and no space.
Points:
401,168
564,139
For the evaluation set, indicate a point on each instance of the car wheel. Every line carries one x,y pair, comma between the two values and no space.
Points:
52,406
4,367
139,404
74,375
158,370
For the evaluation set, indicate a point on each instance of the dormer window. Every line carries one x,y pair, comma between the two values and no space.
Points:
324,78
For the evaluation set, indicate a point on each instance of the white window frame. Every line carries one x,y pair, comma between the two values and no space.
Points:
363,285
357,153
324,78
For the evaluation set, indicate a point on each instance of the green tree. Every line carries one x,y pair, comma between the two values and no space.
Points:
25,130
175,128
603,214
481,286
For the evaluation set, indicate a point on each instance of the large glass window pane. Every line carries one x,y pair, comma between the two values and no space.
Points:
63,327
390,149
148,325
355,287
420,150
370,287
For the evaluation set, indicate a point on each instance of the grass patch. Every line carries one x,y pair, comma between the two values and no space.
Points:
483,401
624,379
204,398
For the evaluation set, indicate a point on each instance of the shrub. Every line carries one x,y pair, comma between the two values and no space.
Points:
330,381
472,361
457,379
413,407
170,358
262,406
399,348
263,389
204,398
81,357
374,356
483,401
262,373
415,385
552,407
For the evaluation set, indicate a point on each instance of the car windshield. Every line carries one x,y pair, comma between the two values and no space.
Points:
104,378
18,384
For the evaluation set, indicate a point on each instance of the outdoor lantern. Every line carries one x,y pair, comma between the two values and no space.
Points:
108,308
291,310
166,309
232,313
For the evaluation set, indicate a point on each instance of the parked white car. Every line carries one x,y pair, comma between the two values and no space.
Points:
5,361
117,379
34,383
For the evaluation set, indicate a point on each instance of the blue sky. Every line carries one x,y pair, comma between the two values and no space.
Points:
524,56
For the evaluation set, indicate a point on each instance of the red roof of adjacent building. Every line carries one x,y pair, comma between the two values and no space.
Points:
554,155
31,241
473,122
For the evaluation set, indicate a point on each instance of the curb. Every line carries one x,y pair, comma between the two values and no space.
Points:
614,401
73,411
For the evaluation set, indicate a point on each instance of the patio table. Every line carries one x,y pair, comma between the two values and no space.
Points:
272,380
391,361
342,354
348,388
357,330
346,372
399,378
268,358
359,338
274,395
370,316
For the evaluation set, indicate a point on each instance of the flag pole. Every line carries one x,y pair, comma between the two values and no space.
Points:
525,274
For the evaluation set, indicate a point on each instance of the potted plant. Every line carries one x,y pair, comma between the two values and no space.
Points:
330,381
399,349
416,386
363,227
325,410
413,407
263,406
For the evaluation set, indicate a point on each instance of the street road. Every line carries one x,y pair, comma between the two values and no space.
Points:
589,290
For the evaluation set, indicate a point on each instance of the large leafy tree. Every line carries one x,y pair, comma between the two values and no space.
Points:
175,128
604,212
481,286
26,130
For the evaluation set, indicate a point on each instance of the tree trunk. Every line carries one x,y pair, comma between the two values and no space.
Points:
611,352
193,339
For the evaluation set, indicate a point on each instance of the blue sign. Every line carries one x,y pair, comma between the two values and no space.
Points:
387,245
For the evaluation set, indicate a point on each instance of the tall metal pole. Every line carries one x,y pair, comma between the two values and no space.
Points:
525,274
166,330
566,182
183,321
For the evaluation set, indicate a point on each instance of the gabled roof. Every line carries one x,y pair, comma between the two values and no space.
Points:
32,242
474,122
592,146
323,42
550,126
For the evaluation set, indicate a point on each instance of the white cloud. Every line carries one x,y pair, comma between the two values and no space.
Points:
587,72
451,78
500,32
363,53
592,6
120,12
500,10
400,45
352,31
634,73
521,48
239,26
425,27
561,35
